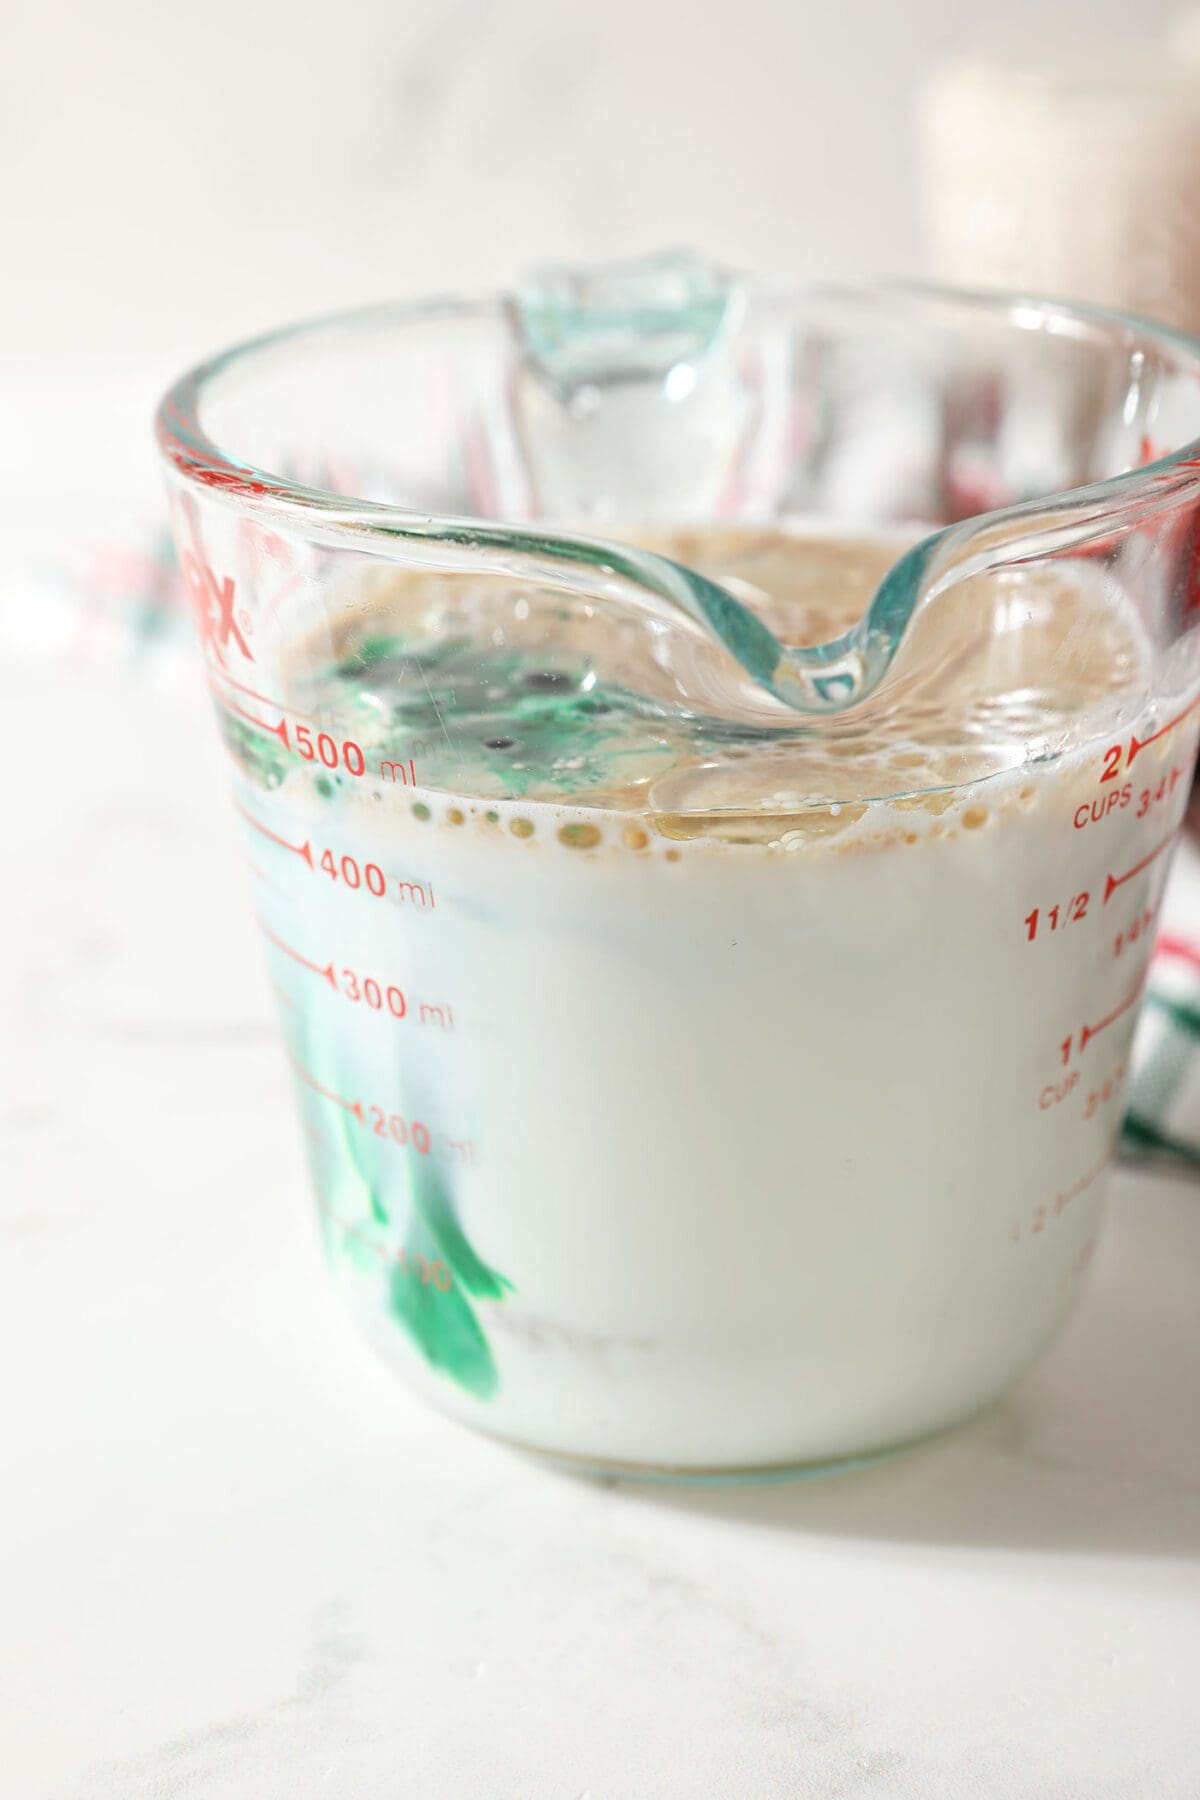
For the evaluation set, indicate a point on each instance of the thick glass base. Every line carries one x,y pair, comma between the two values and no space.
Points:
612,1470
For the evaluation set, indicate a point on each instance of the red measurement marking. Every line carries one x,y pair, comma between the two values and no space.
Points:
354,1231
304,849
358,875
1096,811
1116,881
350,1106
407,776
1134,930
280,730
1091,1031
1136,743
325,970
212,603
261,875
433,1274
1055,1092
1062,1201
1106,1092
1179,950
252,694
1073,911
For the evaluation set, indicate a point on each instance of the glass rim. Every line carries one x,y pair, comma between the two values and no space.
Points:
198,460
819,679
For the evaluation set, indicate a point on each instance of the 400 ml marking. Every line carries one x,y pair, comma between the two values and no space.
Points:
359,877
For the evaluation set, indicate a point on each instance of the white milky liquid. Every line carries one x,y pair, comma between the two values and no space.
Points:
696,1102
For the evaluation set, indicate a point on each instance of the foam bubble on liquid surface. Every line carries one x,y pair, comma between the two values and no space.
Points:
501,689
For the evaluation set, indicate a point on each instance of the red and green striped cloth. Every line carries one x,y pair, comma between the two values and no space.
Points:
1163,1115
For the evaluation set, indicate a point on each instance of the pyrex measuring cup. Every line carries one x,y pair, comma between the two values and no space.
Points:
707,812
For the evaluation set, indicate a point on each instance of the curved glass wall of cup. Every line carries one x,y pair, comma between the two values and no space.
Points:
534,435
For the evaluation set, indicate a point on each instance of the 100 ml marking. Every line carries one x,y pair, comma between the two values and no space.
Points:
429,1273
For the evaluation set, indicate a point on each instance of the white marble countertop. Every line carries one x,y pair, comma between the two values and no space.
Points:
238,1563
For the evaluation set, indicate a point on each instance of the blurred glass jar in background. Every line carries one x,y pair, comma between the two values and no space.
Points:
1079,178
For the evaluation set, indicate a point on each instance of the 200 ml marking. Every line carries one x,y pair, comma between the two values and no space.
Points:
395,1129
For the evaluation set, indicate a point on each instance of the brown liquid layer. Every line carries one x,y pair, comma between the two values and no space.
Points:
503,689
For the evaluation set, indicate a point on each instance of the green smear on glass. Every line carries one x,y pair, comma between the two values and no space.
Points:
435,1210
441,1322
259,752
492,720
442,1325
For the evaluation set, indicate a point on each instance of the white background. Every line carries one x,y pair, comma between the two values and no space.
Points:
238,1563
174,176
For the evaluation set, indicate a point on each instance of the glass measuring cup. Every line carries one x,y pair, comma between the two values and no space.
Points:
707,811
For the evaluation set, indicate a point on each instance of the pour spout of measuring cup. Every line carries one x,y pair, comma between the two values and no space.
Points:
569,436
631,400
664,389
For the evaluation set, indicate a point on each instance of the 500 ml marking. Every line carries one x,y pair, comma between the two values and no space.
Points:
365,877
302,735
393,1128
332,752
365,989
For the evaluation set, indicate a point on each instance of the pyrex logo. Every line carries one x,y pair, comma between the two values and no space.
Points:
212,604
